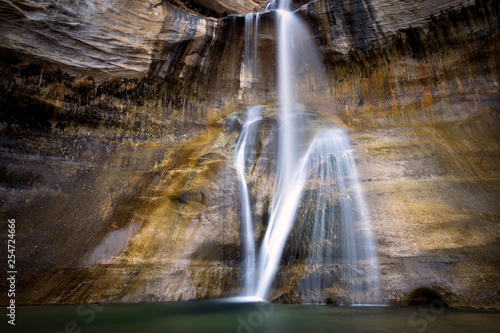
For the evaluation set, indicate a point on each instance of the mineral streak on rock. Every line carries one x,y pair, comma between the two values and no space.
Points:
119,120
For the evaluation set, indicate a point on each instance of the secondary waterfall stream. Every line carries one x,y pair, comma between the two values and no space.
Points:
316,190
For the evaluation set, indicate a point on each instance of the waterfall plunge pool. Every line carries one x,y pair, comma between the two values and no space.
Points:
226,317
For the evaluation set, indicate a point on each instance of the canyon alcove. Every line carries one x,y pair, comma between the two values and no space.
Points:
249,155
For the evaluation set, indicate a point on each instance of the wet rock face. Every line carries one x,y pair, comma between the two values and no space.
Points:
118,126
100,38
357,24
221,8
99,168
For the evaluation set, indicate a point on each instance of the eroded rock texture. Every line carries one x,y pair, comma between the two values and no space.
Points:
220,8
119,120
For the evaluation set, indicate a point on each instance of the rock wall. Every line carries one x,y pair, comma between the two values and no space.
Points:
119,125
220,8
99,38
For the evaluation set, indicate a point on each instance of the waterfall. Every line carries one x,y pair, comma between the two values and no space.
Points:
316,184
248,73
244,148
288,186
285,5
248,60
337,228
271,5
255,48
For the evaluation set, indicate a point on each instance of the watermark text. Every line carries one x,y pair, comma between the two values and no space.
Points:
11,271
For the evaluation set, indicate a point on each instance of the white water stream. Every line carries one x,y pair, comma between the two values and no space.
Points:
320,181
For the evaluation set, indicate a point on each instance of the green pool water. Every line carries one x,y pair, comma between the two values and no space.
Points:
222,316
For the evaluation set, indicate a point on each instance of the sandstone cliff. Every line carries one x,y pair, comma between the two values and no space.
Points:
119,121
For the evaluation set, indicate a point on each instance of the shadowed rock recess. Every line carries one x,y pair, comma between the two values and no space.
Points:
119,120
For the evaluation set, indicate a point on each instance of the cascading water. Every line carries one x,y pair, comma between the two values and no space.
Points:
271,5
315,184
249,68
337,230
288,188
243,150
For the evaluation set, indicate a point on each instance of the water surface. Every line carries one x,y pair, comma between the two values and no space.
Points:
223,316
